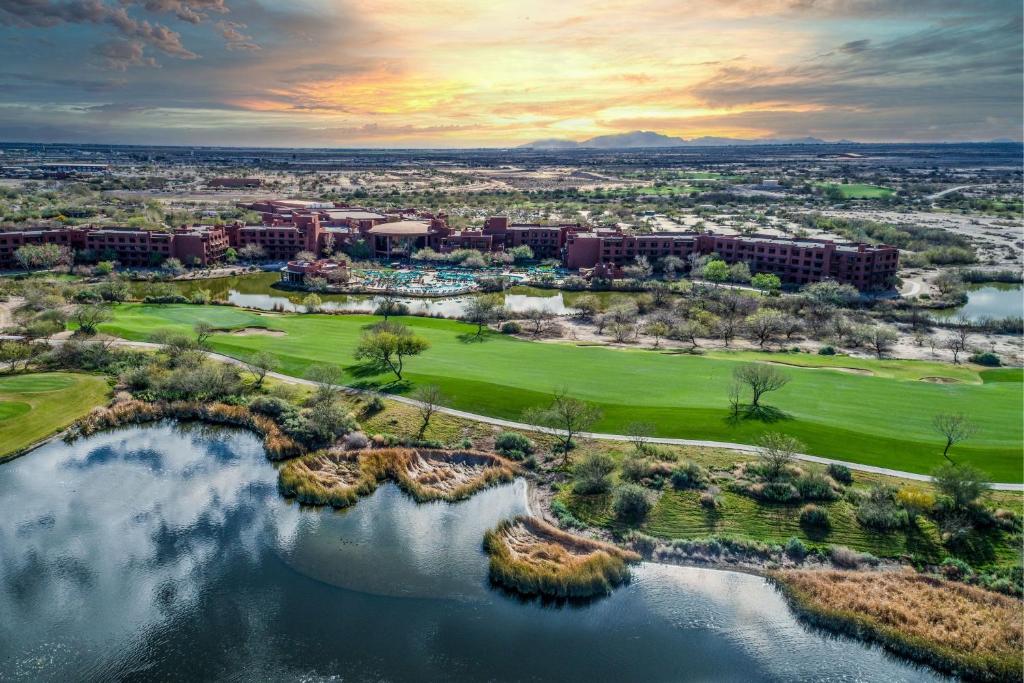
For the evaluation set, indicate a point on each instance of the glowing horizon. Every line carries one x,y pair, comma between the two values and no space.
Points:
441,73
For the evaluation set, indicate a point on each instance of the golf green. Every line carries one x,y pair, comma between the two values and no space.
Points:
873,412
33,406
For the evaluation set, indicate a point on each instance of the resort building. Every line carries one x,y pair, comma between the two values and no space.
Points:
196,246
794,260
296,272
293,226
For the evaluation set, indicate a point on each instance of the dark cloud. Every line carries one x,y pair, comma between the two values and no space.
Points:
235,39
192,11
121,54
855,46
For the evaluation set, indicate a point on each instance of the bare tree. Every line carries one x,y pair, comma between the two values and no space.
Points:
735,396
538,318
955,427
764,326
429,398
564,418
328,379
639,433
482,311
879,338
761,379
777,451
957,341
259,364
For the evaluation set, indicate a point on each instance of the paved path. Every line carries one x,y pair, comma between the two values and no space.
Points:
943,193
522,426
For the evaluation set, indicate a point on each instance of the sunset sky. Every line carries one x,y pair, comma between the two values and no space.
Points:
444,73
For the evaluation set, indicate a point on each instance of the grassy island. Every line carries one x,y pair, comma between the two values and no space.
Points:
531,557
34,406
963,630
339,478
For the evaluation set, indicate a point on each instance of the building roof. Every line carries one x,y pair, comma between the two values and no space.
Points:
358,215
401,228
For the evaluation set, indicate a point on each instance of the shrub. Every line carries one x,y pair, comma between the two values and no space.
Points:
956,569
777,492
915,501
815,517
846,558
815,486
511,327
564,516
879,510
355,441
635,468
641,543
593,474
840,473
826,351
689,475
374,405
796,549
271,406
709,499
989,359
630,503
513,445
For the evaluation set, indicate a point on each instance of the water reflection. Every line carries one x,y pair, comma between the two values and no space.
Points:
993,300
166,552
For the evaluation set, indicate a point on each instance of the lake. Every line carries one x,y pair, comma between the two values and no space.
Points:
165,551
989,300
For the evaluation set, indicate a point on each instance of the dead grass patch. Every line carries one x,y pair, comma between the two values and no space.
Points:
339,478
532,557
959,629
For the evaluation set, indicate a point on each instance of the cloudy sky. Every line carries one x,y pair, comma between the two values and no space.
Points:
464,73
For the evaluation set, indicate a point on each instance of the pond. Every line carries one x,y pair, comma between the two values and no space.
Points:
989,300
256,290
166,551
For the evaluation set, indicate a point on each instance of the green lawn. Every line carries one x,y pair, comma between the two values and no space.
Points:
34,406
884,418
858,190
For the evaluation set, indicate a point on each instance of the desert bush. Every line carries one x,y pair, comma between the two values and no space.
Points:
816,486
796,549
511,327
355,441
630,503
826,351
879,510
841,473
688,475
815,517
987,358
513,445
593,474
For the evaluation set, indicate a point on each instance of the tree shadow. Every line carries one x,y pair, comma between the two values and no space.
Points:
472,338
766,414
363,370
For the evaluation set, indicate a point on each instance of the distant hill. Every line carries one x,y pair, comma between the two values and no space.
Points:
646,138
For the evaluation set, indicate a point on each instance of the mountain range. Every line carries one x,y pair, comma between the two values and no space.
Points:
646,138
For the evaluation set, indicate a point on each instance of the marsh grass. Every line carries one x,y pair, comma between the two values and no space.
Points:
277,444
531,557
963,630
339,478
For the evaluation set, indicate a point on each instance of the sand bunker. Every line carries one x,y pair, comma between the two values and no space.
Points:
532,557
338,478
849,371
258,331
940,380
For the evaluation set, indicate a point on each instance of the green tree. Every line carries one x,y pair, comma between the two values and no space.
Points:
564,418
387,345
766,282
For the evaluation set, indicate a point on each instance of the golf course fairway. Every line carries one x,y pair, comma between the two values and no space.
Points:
872,412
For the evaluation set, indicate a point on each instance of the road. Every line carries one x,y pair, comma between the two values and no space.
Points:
522,426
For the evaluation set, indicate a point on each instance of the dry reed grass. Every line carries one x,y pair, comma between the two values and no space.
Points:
532,557
959,629
277,444
338,478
